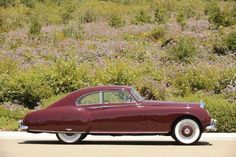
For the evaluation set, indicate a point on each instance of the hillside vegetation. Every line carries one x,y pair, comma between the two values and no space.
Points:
180,50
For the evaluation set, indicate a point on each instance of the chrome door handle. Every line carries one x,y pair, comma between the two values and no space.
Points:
140,106
101,107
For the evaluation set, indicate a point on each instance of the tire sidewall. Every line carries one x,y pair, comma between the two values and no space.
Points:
82,136
173,135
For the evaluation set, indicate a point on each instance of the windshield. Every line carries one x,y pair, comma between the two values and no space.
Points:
136,95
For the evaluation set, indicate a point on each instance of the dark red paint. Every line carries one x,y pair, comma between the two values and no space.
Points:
140,117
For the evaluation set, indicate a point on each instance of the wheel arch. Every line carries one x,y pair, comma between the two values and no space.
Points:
184,117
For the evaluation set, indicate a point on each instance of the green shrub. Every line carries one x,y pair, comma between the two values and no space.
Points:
184,50
7,123
227,78
157,33
205,78
217,16
9,119
12,18
118,72
197,78
8,65
219,109
220,46
181,19
28,3
150,88
231,41
50,100
35,27
190,8
88,16
6,3
225,43
142,17
116,21
66,12
73,30
66,76
161,14
27,88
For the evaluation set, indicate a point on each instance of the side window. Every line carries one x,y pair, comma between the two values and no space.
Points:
117,97
92,98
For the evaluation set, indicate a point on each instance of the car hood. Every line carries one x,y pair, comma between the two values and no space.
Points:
170,103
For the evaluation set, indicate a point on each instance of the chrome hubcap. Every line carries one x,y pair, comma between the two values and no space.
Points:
187,131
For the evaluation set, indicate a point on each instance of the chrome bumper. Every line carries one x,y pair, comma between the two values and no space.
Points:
212,126
21,126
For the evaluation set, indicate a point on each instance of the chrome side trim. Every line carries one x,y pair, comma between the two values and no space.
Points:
121,105
113,132
48,131
98,132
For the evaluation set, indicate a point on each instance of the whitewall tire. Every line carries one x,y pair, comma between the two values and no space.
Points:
70,137
186,131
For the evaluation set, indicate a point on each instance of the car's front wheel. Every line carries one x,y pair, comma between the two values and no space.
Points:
186,131
70,137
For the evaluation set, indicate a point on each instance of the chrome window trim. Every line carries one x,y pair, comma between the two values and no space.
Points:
101,97
134,95
84,95
101,92
122,91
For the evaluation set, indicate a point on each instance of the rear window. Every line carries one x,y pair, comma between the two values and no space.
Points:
91,98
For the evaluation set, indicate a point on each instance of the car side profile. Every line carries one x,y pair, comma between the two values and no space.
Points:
118,110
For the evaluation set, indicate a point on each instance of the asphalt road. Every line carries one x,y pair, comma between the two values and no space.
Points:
106,146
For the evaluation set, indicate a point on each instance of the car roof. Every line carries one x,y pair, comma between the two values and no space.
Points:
74,95
105,87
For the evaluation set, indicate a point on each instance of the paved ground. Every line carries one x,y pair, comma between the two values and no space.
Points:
17,144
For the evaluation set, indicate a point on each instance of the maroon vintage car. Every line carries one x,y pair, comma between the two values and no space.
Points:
118,110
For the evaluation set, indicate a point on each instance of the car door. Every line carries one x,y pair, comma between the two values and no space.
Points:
120,113
90,105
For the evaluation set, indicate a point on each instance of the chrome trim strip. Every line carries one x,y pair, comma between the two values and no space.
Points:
93,107
47,131
99,132
121,105
112,132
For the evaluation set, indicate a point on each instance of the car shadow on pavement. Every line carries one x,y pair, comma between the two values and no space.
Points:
144,143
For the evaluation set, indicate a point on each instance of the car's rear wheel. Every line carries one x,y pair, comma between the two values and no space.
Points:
70,137
186,131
